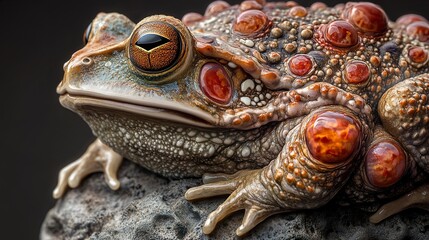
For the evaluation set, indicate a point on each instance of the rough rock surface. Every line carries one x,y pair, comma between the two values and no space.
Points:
150,207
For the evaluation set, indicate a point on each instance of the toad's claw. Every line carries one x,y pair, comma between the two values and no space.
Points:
97,158
244,189
418,198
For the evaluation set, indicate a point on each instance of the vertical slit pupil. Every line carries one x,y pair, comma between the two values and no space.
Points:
151,41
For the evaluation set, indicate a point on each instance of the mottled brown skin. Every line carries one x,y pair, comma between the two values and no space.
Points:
299,104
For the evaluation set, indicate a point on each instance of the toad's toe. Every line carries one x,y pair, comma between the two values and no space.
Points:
418,198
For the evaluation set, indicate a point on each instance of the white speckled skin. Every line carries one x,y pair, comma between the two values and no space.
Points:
165,120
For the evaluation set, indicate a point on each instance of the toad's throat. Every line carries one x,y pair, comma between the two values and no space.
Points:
79,102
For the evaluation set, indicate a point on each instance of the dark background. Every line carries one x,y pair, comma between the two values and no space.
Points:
39,137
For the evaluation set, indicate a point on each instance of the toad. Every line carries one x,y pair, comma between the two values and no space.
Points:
279,106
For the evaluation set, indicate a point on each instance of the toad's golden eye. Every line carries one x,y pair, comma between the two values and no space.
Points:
155,47
87,34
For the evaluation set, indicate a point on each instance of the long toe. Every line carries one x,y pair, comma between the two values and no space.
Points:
418,198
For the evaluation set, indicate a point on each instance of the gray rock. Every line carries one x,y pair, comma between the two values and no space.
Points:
150,207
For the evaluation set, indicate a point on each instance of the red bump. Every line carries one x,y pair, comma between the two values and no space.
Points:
341,34
318,6
332,137
340,7
251,23
215,8
215,83
419,30
300,64
191,18
356,72
250,4
262,2
418,54
298,11
290,4
385,164
410,18
367,17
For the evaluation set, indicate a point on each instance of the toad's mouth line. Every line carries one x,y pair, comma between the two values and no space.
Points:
76,102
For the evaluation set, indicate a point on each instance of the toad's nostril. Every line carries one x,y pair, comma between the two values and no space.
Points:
86,61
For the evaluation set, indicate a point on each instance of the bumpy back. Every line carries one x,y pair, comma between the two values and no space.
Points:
353,46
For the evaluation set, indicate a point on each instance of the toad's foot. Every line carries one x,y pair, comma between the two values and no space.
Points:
97,158
418,198
245,188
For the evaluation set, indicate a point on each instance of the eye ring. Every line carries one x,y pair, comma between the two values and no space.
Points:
155,47
160,48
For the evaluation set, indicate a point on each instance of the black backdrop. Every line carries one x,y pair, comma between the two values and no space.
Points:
38,137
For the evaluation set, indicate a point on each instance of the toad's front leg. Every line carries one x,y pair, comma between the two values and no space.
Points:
314,164
97,158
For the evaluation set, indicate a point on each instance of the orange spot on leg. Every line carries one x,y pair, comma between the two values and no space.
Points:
385,164
332,137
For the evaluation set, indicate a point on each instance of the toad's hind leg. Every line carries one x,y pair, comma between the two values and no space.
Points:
97,158
404,112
